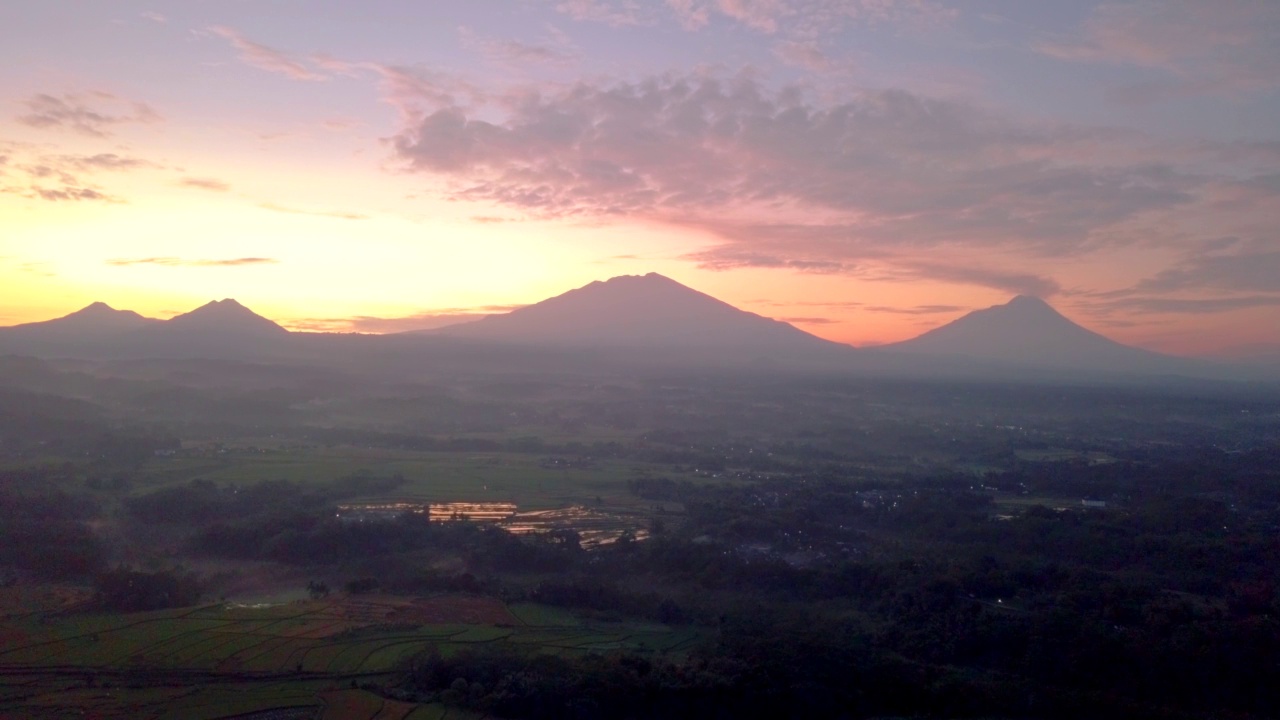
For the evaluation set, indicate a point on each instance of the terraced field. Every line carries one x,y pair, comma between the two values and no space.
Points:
298,660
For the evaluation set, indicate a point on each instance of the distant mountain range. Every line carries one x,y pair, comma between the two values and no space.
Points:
93,321
1027,332
219,329
628,320
639,311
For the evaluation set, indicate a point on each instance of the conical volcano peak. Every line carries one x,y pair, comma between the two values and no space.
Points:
638,310
100,312
223,305
652,279
647,294
1027,306
226,315
1029,331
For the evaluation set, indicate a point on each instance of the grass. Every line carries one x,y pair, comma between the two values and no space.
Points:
543,615
213,661
430,476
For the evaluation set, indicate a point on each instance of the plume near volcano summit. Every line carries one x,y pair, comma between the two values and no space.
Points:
865,171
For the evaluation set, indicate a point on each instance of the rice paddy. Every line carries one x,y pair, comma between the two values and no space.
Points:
281,662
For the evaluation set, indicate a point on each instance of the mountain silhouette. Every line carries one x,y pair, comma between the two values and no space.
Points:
223,317
625,322
640,311
97,318
1028,332
93,325
220,329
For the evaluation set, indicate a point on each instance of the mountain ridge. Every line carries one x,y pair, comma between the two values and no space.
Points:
1028,331
226,315
627,321
636,310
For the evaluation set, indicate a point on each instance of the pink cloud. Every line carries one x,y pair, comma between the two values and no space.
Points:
691,14
810,18
885,185
616,13
763,15
265,58
93,113
514,53
805,55
181,262
1223,46
428,320
210,184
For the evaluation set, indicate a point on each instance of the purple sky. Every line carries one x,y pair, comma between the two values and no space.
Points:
867,169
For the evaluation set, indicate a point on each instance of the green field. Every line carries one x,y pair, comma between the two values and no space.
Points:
217,661
430,476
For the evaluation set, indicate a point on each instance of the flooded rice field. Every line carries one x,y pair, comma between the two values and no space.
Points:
595,527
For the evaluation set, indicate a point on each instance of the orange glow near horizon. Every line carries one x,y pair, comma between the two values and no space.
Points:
381,175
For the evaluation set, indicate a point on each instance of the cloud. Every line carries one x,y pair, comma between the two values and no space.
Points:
811,18
411,90
265,58
882,184
92,114
805,55
732,258
914,167
692,14
38,175
180,262
1199,306
489,219
105,161
808,320
762,15
514,53
62,166
1203,47
340,124
74,194
1013,282
154,17
68,190
1255,270
210,184
426,320
618,13
917,309
37,268
340,214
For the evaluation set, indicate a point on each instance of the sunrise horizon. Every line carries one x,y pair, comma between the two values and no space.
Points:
865,171
428,321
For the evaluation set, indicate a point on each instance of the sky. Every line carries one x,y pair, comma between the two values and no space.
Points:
863,169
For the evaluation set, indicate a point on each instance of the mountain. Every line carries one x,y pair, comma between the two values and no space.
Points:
98,318
220,329
642,311
223,317
1027,332
72,334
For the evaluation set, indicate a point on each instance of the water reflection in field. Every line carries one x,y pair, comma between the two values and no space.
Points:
595,527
